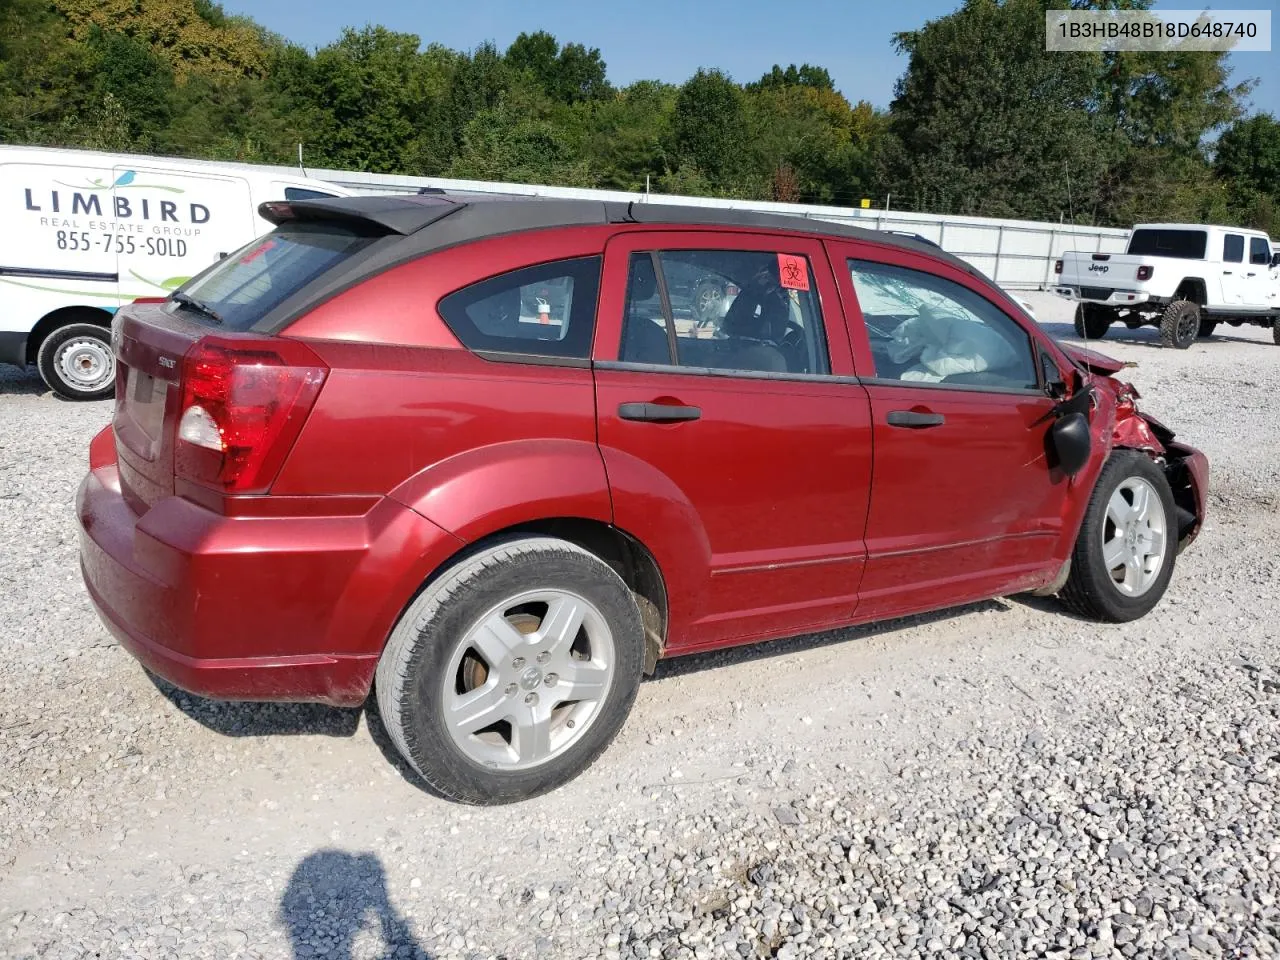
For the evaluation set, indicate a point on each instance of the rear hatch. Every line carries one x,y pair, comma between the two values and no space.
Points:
202,398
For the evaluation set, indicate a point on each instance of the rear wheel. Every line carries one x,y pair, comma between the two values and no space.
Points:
1180,324
1125,550
76,362
513,671
1093,321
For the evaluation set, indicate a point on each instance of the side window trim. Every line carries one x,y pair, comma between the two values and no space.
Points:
668,315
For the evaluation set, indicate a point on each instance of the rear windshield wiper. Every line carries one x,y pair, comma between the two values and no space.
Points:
187,300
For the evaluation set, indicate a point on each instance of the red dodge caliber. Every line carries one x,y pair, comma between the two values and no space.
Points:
494,459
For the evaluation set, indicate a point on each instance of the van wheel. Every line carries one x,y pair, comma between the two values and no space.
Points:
1093,321
1124,554
512,672
76,362
1180,324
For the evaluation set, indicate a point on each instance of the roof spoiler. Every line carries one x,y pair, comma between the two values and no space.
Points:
394,214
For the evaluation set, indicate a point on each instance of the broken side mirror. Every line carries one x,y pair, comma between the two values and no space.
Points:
1072,441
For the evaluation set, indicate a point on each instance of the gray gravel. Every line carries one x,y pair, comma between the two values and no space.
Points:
1000,781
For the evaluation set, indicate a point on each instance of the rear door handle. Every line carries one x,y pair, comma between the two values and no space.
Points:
914,419
658,412
1226,273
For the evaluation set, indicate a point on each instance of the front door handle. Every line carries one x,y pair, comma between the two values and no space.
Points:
658,412
914,419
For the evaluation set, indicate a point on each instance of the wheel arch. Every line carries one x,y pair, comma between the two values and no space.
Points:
64,316
624,553
1193,289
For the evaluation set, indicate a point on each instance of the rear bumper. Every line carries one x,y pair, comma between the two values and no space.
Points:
262,608
1114,298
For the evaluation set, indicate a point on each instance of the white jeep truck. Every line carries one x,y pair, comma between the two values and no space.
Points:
1184,279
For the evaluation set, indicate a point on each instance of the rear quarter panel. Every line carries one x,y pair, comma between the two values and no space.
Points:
474,444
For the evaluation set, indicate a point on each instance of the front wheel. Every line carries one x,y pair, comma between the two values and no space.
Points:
512,672
1124,553
76,362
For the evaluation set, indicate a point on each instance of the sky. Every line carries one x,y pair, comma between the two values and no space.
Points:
669,39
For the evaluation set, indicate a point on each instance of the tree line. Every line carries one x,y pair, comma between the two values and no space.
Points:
983,121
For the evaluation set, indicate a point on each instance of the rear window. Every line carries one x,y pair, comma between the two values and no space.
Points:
1181,244
245,286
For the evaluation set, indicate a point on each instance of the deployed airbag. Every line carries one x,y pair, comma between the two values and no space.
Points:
942,345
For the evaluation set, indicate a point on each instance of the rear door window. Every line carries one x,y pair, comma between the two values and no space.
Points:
1233,248
548,310
747,310
249,283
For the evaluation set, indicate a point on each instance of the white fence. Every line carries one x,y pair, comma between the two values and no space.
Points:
1018,254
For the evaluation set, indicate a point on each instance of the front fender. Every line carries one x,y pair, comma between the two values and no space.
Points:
491,488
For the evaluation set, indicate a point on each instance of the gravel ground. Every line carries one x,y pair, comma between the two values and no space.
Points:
998,781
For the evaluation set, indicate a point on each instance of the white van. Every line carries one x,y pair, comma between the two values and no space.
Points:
85,233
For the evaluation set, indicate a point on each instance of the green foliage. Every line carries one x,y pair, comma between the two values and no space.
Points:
984,121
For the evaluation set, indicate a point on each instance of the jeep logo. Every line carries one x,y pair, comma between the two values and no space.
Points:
1098,268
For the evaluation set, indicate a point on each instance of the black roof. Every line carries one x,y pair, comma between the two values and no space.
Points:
454,220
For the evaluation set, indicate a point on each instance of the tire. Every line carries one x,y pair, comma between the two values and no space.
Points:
76,362
433,659
1093,321
1179,324
1207,326
1092,589
707,296
1275,331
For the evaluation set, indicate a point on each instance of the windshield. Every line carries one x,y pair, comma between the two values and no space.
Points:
1182,244
249,283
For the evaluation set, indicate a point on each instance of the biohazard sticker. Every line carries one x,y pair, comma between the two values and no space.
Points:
793,272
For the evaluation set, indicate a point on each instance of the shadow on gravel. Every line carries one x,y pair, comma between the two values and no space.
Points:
15,382
333,897
697,662
241,718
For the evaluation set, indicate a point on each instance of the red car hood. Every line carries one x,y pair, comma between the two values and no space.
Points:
1097,362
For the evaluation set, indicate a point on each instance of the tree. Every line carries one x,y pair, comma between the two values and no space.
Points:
568,75
709,126
1247,164
986,122
805,75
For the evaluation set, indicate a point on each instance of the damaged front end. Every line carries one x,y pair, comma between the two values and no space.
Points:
1186,468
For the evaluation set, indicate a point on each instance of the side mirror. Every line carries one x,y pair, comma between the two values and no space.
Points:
1072,442
1054,384
1275,259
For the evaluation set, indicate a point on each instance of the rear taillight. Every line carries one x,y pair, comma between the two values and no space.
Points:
243,406
1057,266
1145,272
